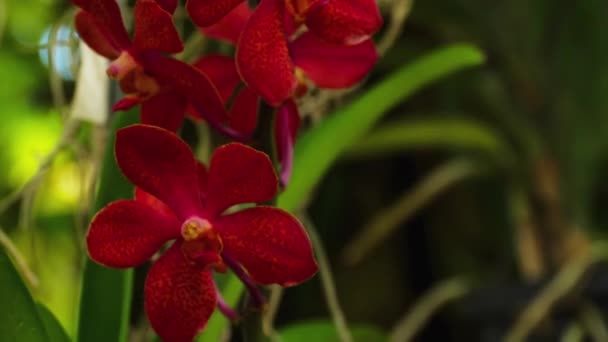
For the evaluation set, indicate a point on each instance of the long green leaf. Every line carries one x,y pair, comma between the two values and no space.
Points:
454,134
320,147
106,293
53,328
19,320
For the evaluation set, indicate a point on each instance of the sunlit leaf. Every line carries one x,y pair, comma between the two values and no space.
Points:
19,320
54,330
449,134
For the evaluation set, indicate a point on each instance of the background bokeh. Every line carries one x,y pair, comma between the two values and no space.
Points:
516,149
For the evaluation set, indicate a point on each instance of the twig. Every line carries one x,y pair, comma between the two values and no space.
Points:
592,321
399,13
407,328
29,276
327,281
70,129
271,310
573,333
563,284
388,220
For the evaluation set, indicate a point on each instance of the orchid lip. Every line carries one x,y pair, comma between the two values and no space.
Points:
122,65
195,228
202,245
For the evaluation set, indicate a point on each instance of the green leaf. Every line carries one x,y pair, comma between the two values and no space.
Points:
325,331
19,320
106,293
453,134
317,150
232,289
54,330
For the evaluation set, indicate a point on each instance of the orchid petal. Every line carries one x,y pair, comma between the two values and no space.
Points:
191,83
168,5
208,12
238,174
154,29
108,19
95,37
262,56
286,129
126,233
165,110
160,163
344,21
126,103
244,111
270,243
179,296
333,66
143,197
221,71
231,26
203,175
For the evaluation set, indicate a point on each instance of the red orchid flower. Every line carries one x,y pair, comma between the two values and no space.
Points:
242,104
162,85
275,62
329,66
336,21
270,244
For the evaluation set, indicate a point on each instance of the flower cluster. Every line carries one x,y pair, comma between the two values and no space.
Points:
282,48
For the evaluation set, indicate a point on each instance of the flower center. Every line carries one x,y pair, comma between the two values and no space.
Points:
133,80
302,83
202,245
298,8
195,228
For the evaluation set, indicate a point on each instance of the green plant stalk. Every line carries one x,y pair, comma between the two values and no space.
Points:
252,325
327,282
106,293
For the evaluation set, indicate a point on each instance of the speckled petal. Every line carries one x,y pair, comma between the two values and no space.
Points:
179,296
262,56
154,29
127,233
231,26
93,36
208,12
160,163
238,174
333,66
344,21
270,243
165,110
108,18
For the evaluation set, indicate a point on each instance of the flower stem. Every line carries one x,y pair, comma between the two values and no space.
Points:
226,310
253,327
327,281
257,297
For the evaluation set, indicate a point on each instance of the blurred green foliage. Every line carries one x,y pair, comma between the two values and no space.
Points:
541,95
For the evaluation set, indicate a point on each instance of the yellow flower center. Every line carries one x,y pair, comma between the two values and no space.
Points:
133,80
